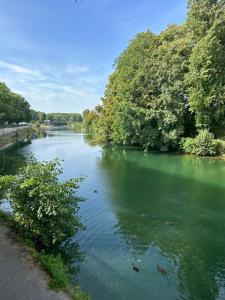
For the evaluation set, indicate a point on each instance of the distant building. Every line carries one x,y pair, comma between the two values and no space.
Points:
23,124
47,122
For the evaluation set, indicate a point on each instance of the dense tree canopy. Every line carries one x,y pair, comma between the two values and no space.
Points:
167,86
63,118
56,118
38,116
88,120
206,76
13,107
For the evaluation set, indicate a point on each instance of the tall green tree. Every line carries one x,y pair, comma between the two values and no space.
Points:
145,99
201,16
206,76
13,107
168,86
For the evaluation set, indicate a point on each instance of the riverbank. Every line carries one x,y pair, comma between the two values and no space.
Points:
41,276
13,136
22,278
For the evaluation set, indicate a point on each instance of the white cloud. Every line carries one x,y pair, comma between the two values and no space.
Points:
71,69
20,69
67,88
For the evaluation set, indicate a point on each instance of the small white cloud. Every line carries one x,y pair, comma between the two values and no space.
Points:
71,69
14,68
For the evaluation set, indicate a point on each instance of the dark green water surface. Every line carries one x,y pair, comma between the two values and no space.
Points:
150,209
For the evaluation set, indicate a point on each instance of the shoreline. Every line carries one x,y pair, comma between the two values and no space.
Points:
23,277
9,140
54,284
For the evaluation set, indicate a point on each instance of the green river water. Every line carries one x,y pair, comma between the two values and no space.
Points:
149,209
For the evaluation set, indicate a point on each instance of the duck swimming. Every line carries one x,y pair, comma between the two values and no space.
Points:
161,270
134,268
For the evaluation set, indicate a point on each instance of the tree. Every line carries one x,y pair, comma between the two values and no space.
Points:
145,99
206,77
13,107
201,16
168,86
38,116
89,118
64,118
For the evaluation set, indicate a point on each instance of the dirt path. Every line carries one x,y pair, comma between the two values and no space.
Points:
20,278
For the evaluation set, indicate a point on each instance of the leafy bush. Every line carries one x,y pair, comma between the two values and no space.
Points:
220,146
203,144
43,207
188,145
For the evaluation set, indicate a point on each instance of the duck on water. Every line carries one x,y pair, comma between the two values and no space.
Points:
134,268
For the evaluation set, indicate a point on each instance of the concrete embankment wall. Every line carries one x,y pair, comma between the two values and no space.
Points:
11,136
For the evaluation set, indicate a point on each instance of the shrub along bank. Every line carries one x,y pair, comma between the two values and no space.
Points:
44,215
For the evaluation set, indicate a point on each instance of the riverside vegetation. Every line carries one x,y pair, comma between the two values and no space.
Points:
15,109
167,91
44,213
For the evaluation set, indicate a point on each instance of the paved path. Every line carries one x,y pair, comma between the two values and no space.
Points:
20,278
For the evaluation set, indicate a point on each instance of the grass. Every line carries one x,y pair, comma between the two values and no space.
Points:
53,265
59,276
77,294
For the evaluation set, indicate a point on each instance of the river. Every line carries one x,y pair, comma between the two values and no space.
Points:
143,208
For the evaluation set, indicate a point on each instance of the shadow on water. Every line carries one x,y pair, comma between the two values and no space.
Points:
71,254
173,205
11,161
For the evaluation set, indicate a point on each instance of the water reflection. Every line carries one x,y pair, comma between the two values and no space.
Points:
175,205
11,161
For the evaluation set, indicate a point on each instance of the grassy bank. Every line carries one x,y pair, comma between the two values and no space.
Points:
60,278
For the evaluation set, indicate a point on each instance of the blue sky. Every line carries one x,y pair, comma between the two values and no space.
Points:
59,53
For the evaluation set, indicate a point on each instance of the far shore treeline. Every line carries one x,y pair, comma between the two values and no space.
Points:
56,118
167,90
15,109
